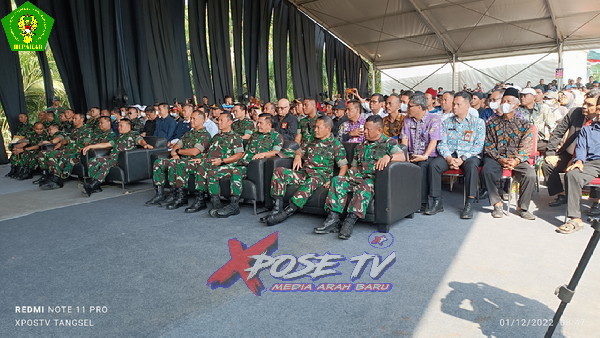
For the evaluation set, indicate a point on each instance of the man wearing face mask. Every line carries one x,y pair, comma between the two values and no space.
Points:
404,99
537,114
508,143
494,103
559,152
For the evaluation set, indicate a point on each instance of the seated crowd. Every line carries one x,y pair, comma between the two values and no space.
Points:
483,137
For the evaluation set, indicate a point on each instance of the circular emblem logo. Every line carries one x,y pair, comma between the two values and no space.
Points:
381,240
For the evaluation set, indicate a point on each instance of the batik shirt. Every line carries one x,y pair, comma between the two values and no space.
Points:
393,128
349,126
420,133
508,138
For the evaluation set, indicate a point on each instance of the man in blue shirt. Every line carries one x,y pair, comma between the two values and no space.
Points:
165,124
463,136
585,167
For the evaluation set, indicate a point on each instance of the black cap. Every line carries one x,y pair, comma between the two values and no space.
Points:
340,105
511,91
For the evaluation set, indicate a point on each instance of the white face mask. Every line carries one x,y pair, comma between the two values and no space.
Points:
142,114
174,114
549,102
88,116
506,108
494,105
403,107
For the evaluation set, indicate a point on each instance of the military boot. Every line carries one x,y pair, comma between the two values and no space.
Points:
25,174
199,204
53,182
169,199
180,199
348,226
45,176
282,216
159,195
13,170
216,205
330,224
230,209
277,208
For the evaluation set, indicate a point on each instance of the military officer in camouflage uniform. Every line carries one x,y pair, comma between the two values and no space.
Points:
242,125
374,154
60,162
24,129
225,150
57,139
27,154
99,167
137,123
306,126
264,143
312,168
192,145
92,118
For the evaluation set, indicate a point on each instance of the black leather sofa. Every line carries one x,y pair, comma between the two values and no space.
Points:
397,192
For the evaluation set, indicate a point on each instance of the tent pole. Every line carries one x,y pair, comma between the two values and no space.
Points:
560,63
373,78
454,77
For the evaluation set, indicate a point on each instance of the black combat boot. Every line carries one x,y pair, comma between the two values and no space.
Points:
199,203
216,205
25,174
92,187
277,208
282,216
159,195
180,199
13,171
233,208
53,182
45,176
348,226
330,224
169,198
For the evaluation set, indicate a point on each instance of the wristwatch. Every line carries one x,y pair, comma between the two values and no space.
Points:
464,158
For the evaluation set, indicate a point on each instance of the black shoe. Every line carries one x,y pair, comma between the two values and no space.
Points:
435,207
348,226
277,208
168,199
230,209
216,205
483,193
53,182
92,187
422,208
44,177
13,170
25,174
467,212
159,196
594,210
199,204
180,199
330,224
560,200
282,216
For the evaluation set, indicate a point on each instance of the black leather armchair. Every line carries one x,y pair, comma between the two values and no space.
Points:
397,192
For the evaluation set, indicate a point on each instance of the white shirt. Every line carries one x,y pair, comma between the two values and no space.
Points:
211,127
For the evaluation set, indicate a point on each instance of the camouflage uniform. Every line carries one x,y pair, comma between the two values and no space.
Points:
137,124
243,127
319,156
94,125
199,139
66,126
258,143
223,145
306,127
42,158
361,177
25,130
61,161
29,157
99,167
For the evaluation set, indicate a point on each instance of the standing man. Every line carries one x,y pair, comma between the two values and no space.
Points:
420,134
312,168
463,136
287,124
508,143
374,154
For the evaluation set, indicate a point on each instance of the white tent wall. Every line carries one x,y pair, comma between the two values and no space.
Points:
501,69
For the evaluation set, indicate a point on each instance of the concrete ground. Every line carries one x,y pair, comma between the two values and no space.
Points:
140,271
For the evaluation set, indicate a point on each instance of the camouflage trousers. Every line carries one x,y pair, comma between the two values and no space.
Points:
282,177
162,166
234,173
60,162
184,169
99,167
27,159
362,190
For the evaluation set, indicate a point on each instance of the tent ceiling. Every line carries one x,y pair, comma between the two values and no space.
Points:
394,33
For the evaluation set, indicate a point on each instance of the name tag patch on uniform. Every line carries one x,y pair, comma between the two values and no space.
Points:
284,125
467,135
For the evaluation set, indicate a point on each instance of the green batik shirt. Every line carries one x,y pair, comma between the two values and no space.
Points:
368,153
243,127
306,127
199,139
224,145
261,143
320,156
78,138
127,141
100,136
